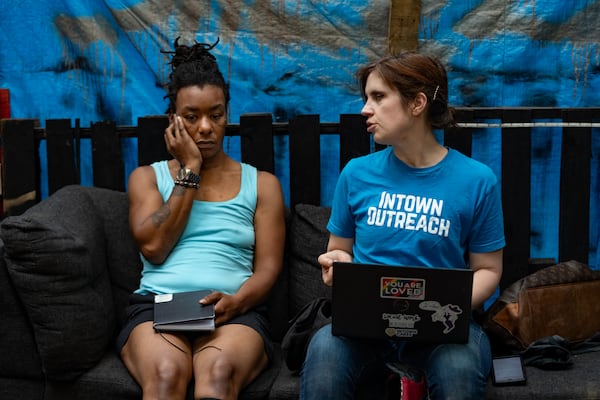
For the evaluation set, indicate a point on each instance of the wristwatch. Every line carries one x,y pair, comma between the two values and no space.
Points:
187,178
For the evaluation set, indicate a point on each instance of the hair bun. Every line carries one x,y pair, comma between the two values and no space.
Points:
196,52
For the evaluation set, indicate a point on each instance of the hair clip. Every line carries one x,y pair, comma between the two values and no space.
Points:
435,93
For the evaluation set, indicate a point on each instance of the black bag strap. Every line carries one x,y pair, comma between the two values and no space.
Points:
303,326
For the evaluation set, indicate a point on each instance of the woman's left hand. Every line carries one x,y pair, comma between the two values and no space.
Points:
226,306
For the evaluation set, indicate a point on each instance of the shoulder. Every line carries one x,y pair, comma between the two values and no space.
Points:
368,160
269,193
164,165
146,176
267,181
142,182
267,184
471,166
143,172
262,177
366,166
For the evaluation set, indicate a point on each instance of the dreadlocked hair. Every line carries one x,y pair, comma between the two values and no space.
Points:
193,66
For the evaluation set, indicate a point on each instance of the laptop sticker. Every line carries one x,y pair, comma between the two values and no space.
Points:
401,325
402,288
447,314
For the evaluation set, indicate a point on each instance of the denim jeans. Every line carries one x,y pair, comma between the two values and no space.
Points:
335,367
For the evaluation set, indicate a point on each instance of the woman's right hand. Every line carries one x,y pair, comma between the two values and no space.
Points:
181,145
326,260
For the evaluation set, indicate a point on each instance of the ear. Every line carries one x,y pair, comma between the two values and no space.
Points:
419,104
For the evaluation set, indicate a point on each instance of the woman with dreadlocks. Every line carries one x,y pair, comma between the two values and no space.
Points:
202,221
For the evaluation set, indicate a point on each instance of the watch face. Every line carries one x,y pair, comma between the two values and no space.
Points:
186,174
183,173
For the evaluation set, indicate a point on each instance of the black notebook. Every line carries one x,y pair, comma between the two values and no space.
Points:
183,312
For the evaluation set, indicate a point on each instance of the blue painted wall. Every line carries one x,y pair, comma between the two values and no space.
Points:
100,60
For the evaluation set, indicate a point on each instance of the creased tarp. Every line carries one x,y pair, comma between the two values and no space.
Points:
100,60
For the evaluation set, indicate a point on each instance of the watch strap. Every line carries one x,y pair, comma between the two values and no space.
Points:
187,178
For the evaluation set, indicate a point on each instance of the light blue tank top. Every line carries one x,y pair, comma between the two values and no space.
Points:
216,248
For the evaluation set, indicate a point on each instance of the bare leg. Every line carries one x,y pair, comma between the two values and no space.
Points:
160,363
227,361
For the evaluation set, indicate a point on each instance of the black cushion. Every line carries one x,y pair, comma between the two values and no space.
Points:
17,346
309,239
55,254
122,255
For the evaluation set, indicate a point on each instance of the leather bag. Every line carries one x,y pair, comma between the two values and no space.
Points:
563,300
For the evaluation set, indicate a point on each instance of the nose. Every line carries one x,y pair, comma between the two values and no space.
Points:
204,126
366,110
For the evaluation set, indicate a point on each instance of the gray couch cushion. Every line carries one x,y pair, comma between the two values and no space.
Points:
122,255
17,346
309,239
55,254
17,388
109,379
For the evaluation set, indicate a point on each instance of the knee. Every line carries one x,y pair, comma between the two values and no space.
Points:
222,371
217,380
169,378
457,376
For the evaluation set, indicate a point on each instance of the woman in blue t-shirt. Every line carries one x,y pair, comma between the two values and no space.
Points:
414,203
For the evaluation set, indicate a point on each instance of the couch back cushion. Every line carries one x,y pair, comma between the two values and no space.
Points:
122,254
56,257
20,358
307,237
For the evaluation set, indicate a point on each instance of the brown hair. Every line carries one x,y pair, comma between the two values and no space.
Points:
412,73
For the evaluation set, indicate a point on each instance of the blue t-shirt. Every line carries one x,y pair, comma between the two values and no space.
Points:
431,217
216,248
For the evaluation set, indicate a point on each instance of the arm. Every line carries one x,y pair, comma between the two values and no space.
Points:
338,249
157,225
487,269
269,227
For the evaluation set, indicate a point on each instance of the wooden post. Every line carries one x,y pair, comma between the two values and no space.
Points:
21,165
4,113
107,160
256,132
403,25
151,141
355,141
575,181
305,160
458,138
516,195
60,150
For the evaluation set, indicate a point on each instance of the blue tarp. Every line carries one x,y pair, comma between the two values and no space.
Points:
100,60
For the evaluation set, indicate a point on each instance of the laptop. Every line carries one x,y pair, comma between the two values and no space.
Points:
401,302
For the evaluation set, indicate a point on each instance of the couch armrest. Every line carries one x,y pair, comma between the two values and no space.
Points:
20,358
55,255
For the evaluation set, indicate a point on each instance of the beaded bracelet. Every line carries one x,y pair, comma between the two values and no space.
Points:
186,184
